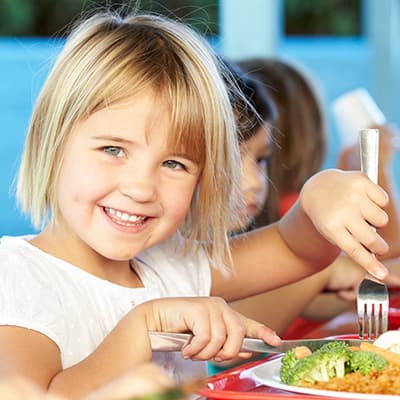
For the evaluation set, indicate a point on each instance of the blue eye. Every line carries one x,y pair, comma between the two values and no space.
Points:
263,160
174,164
114,151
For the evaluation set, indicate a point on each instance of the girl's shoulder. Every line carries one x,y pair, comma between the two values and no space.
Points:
18,258
14,249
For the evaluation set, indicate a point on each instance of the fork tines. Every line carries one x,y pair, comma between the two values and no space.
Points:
372,308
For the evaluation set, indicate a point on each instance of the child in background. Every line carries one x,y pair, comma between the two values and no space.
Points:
301,125
257,148
298,154
132,169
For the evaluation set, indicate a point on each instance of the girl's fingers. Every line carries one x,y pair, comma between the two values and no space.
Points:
209,332
371,210
235,333
367,236
199,341
361,255
376,194
218,335
374,215
257,330
347,295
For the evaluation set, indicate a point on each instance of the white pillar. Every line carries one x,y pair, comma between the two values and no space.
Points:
249,28
383,22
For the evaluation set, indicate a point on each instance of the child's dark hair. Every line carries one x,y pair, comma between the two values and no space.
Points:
250,100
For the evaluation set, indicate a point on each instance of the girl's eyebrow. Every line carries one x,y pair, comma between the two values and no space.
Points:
111,138
184,155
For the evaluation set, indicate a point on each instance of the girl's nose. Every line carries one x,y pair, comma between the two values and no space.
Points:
139,187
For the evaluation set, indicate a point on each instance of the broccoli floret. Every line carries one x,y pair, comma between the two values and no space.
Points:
336,355
327,362
309,369
288,362
366,361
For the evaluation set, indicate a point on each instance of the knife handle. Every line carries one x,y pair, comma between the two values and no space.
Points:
168,341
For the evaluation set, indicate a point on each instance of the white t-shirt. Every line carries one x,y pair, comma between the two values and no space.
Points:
77,310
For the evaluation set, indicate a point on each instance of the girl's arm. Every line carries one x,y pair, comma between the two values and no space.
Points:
335,211
33,356
278,308
218,332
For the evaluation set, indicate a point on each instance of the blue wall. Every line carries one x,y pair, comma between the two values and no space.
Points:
24,64
337,65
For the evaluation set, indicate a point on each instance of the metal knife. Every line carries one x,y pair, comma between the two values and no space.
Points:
166,341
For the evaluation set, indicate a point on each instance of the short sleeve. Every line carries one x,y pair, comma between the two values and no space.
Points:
27,298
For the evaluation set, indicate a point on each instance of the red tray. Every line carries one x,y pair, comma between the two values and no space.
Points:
229,385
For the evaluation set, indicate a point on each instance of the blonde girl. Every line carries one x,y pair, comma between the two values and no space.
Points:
130,168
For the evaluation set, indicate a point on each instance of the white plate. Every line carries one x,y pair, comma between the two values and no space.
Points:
268,374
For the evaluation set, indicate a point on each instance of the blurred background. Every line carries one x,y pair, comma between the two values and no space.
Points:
343,44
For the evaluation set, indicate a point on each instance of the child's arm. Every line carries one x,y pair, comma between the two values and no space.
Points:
218,333
335,211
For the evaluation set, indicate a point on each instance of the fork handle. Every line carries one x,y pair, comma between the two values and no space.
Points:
369,152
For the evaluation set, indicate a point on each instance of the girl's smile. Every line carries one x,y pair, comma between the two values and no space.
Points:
121,188
126,222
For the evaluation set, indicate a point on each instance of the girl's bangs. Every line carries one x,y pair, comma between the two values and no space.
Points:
187,133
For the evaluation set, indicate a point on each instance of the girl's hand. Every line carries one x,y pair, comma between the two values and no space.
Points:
345,276
345,207
217,329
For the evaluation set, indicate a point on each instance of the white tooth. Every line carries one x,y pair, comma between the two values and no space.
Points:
125,217
111,211
118,214
133,218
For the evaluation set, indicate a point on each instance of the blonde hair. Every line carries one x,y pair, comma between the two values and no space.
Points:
109,58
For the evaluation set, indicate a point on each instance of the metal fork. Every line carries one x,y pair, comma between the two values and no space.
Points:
372,296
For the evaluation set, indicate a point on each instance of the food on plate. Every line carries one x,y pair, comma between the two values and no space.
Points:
334,359
386,382
366,361
389,340
390,356
370,368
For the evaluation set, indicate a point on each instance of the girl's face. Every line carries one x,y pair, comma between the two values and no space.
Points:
255,153
121,190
